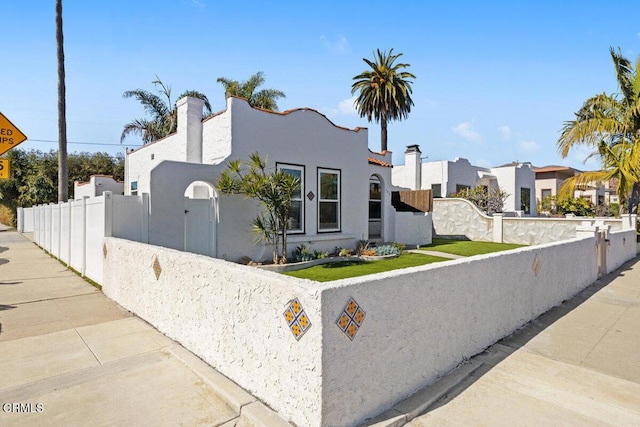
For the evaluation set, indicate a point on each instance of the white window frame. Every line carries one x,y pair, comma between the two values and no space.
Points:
289,166
134,188
336,201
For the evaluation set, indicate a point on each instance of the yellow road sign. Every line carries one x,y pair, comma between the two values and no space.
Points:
10,136
4,168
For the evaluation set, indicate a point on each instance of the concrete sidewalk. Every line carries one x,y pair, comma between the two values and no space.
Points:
70,356
577,364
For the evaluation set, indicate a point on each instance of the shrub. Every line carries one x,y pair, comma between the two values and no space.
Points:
387,250
489,200
401,246
361,247
6,216
320,254
344,252
302,253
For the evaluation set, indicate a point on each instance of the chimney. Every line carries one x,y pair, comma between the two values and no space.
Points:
413,165
190,126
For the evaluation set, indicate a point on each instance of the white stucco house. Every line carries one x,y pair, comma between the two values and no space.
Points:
97,185
345,195
447,177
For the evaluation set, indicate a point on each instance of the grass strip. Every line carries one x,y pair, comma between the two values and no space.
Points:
467,247
345,269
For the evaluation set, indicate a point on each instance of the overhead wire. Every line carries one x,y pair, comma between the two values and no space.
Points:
85,143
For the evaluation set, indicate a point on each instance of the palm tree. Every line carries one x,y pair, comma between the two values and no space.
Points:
264,98
164,115
611,125
63,175
384,92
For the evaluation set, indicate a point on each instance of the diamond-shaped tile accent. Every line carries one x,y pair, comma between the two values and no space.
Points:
104,250
156,268
296,318
537,265
351,319
310,195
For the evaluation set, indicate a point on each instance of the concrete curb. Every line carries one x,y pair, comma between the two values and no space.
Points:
420,402
248,407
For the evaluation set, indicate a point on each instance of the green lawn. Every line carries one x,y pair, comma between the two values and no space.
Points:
344,269
468,248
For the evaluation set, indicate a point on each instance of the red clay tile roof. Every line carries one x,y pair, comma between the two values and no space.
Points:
374,161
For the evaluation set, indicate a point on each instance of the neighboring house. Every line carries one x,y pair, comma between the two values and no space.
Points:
549,179
448,177
346,188
97,185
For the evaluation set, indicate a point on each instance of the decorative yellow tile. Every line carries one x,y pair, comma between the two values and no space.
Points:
351,319
297,319
156,268
343,321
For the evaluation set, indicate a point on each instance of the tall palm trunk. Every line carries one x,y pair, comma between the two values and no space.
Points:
63,175
383,134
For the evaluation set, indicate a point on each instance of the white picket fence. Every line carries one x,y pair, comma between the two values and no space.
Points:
73,231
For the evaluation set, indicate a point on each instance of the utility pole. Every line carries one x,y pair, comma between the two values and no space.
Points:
63,175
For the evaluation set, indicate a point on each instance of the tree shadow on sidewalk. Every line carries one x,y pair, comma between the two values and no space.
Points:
503,348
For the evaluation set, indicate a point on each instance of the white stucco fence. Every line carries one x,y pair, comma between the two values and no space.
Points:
419,322
460,218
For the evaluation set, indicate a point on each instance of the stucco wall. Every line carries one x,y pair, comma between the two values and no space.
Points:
620,248
216,137
413,228
140,162
419,322
229,315
461,218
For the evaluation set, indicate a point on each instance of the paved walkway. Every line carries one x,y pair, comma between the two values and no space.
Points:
72,357
576,365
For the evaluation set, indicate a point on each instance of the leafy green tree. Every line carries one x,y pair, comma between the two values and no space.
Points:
273,190
264,98
562,205
34,175
610,124
161,108
384,91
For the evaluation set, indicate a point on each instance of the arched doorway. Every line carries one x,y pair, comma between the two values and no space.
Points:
375,208
200,218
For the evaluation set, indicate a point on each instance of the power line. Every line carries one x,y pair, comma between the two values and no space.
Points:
84,143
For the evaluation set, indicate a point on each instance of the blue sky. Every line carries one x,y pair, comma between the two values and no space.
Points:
495,80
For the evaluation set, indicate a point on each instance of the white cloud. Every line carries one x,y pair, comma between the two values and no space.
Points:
347,107
339,45
198,4
529,146
466,130
505,132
